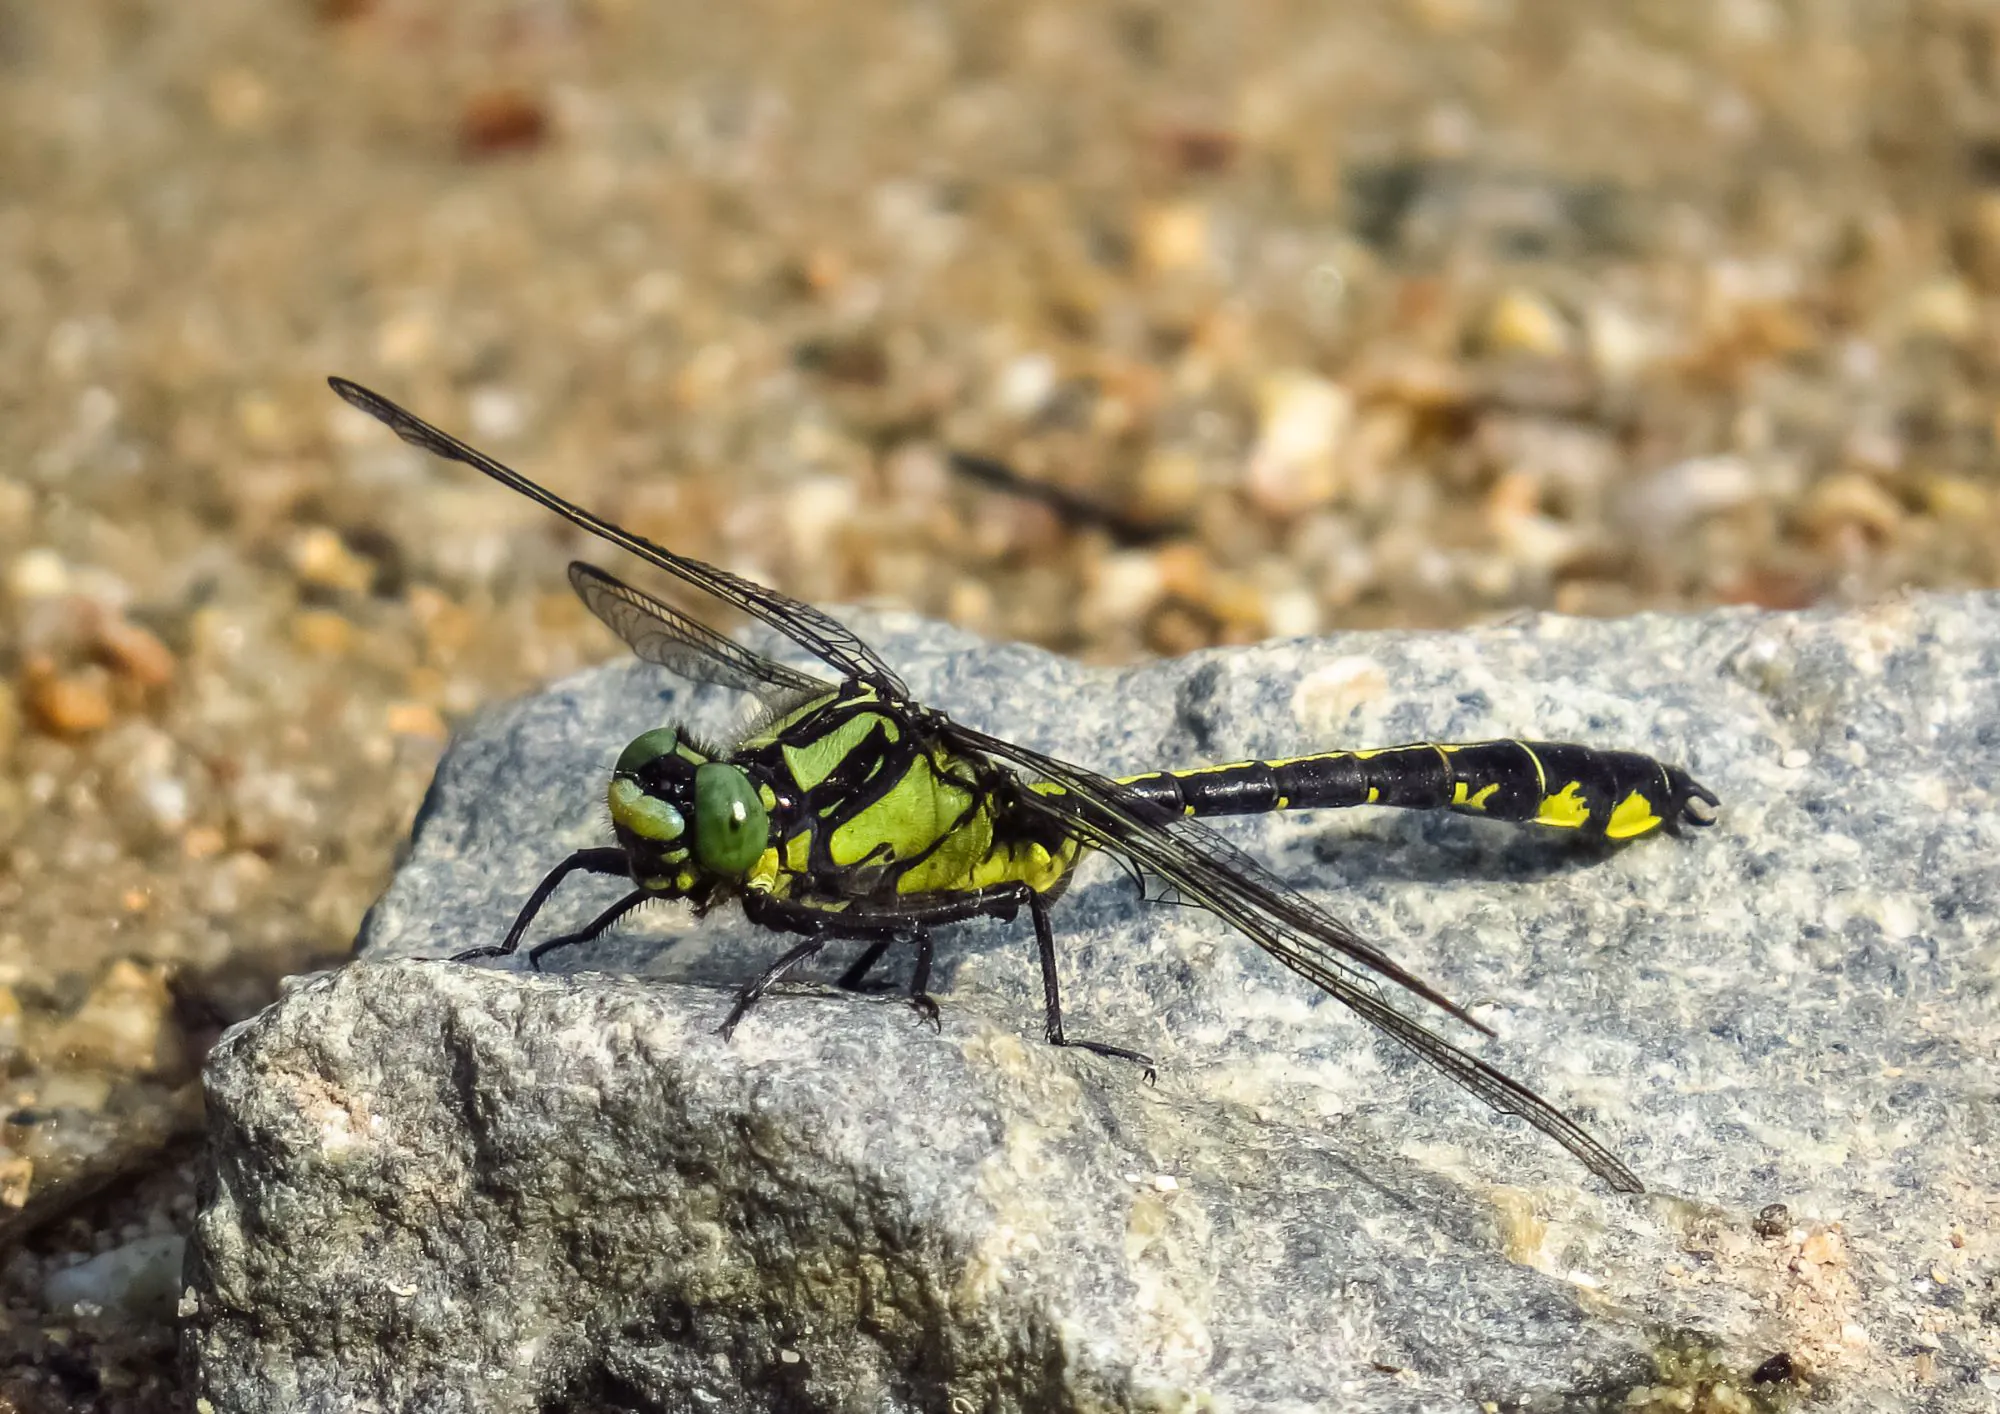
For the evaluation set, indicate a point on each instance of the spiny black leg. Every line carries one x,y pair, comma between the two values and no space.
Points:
920,983
747,998
1045,941
593,861
855,979
592,929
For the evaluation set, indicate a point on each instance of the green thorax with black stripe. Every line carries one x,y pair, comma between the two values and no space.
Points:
853,800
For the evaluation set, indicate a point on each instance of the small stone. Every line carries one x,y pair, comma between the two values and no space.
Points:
203,842
500,121
38,574
1169,484
1174,237
1946,308
125,1024
1955,498
1620,346
1025,385
1523,322
238,100
134,652
1303,420
141,1278
1851,502
1123,587
402,342
324,632
418,719
1675,496
496,414
320,557
261,422
85,1091
1293,613
10,1025
17,1180
69,704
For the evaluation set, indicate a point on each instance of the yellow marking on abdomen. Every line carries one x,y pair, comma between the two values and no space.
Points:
1566,809
1633,816
1464,799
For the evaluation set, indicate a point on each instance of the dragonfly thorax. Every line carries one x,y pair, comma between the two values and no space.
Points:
683,817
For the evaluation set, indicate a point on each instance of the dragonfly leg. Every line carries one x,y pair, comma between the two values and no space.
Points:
592,861
855,979
596,927
1045,942
749,996
920,983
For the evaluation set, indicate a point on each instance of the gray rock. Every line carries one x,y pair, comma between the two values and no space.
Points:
444,1187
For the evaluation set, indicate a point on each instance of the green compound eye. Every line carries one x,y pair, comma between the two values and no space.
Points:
731,826
646,749
646,816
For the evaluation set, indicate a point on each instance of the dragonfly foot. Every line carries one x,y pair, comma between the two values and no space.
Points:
927,1010
1099,1048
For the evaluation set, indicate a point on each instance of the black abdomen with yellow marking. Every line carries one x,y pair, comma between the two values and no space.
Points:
1615,795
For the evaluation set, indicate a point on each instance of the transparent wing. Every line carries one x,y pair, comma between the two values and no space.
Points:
1205,869
662,634
824,637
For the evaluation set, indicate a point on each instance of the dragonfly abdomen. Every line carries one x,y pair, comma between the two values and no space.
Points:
1613,794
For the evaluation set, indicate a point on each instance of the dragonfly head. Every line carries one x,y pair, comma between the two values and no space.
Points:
683,817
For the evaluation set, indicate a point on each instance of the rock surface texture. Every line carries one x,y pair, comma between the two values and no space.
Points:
447,1187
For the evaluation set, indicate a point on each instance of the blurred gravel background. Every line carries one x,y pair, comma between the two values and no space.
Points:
1400,312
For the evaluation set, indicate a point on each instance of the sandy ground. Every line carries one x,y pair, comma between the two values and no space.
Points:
1390,312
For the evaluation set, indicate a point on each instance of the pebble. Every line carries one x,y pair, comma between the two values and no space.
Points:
320,557
142,1278
17,1179
1302,421
125,1024
1122,589
134,652
10,1026
1523,322
418,719
323,632
238,100
1174,237
1676,496
1025,385
496,414
68,704
1945,308
1851,500
1620,346
38,574
1169,484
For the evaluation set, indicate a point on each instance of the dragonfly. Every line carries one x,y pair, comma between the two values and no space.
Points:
858,813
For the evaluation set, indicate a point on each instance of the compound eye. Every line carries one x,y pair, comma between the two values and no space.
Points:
646,749
647,816
731,826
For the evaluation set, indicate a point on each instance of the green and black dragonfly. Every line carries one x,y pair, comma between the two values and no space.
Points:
859,813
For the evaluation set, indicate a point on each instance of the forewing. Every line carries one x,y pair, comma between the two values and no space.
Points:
662,634
832,642
1205,869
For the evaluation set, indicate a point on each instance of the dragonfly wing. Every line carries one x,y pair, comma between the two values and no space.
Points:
1207,870
826,638
662,634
